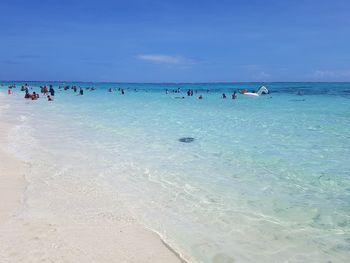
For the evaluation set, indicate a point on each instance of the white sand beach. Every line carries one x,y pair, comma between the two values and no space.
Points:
60,221
12,182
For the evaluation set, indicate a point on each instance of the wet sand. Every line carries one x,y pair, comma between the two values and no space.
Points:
12,182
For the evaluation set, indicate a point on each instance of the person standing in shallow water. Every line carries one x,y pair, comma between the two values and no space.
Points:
223,95
52,91
234,95
81,91
45,90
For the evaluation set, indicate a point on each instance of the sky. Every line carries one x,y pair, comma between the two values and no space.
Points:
175,41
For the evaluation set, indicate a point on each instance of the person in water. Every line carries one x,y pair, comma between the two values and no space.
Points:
52,91
234,95
81,91
35,96
49,98
200,97
223,95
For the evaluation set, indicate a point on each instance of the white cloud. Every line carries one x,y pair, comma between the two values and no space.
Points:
331,74
263,75
166,59
251,67
256,71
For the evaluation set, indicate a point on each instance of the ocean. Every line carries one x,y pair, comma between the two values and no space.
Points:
265,179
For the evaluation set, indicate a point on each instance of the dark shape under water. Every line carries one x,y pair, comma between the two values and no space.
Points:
186,139
298,100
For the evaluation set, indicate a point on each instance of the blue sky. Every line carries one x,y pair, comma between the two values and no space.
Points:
175,41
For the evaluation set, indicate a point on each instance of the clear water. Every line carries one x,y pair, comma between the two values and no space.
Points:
265,180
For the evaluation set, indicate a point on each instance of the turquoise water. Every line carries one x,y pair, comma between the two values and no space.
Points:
265,180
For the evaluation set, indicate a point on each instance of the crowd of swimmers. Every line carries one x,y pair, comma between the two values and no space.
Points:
48,91
190,93
121,90
75,89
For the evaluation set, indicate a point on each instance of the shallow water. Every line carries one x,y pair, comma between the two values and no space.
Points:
264,180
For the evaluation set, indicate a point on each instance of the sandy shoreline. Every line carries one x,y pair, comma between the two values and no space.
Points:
52,220
12,182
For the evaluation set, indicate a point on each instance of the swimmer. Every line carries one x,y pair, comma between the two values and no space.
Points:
46,90
223,95
49,98
200,97
81,91
34,96
234,95
52,91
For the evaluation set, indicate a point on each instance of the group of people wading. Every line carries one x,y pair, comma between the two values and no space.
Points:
46,91
49,92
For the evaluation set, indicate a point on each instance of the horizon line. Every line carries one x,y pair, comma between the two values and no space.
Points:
211,82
